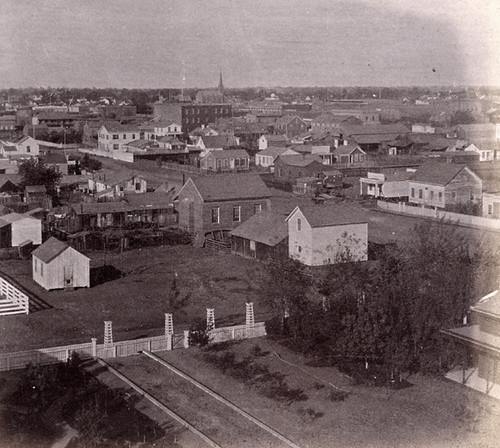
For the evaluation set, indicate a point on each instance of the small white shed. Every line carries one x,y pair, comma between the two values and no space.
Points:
16,228
57,265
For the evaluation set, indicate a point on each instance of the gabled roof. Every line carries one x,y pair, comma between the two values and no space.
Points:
299,159
264,227
218,141
489,304
343,150
13,217
332,215
50,250
274,151
228,153
439,173
223,187
117,127
285,119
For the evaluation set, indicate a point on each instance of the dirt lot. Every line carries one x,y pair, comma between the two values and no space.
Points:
135,302
430,413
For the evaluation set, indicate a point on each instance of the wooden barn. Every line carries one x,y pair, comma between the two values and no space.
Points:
262,236
57,265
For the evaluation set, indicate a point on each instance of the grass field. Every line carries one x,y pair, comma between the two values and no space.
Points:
430,413
136,302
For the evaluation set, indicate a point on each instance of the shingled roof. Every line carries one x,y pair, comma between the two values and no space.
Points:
224,187
332,215
264,227
439,173
50,249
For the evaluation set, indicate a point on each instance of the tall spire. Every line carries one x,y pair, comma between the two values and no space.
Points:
221,85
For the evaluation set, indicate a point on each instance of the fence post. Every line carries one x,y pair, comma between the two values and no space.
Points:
94,347
210,319
250,318
186,338
169,324
108,333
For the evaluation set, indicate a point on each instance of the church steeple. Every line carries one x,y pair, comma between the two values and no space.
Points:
221,85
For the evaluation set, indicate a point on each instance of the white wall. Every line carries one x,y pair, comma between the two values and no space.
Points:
26,229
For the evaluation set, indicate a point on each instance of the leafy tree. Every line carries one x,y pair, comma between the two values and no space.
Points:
89,164
34,172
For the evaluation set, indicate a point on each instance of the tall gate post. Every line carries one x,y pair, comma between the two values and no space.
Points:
94,347
210,319
169,329
186,338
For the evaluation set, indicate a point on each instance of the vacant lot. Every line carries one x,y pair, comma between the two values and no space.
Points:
136,302
430,413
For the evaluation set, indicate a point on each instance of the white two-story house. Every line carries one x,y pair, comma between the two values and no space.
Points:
113,137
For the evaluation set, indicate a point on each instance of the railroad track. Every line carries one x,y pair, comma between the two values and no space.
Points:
214,419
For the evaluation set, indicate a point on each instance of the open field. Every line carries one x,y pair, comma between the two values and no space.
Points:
136,302
430,413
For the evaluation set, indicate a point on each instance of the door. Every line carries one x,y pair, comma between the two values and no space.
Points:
68,276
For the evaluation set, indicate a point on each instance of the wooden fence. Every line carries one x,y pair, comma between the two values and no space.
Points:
14,295
460,219
20,360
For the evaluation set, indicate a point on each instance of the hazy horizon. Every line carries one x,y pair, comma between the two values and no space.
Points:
152,44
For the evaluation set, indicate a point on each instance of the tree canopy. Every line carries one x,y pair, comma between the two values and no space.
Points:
34,172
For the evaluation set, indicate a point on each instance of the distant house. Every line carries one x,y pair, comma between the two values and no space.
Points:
153,130
481,337
267,140
371,137
491,205
288,168
485,155
216,143
226,160
108,183
25,147
36,194
266,157
114,136
17,228
349,154
307,185
386,185
291,126
214,205
57,265
262,236
438,184
319,235
332,178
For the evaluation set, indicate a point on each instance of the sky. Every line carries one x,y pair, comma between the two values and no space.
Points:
175,43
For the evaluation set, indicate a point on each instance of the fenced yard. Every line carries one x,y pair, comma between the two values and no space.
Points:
43,356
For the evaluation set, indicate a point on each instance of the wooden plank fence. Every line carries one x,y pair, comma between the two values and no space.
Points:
13,294
20,360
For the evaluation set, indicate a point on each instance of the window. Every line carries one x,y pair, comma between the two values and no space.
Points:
28,148
36,263
41,269
454,196
431,195
257,208
116,146
237,213
133,136
420,193
490,210
440,196
115,136
299,224
137,186
124,135
215,215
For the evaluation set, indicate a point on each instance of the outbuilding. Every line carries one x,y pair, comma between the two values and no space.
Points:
57,265
17,228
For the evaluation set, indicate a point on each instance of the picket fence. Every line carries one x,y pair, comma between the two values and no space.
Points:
13,294
44,356
458,218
